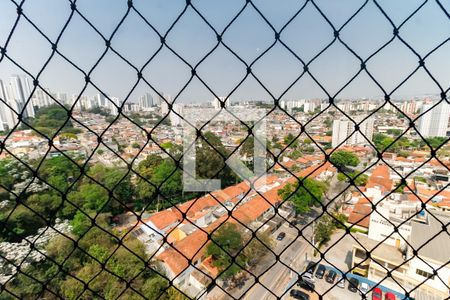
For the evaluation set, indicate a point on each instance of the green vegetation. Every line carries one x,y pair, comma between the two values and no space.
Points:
99,111
387,143
436,141
210,160
420,179
52,118
359,178
290,138
87,198
228,241
400,188
342,159
326,226
304,196
394,132
35,208
67,190
295,154
384,142
84,263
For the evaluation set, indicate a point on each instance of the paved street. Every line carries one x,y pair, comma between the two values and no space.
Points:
292,252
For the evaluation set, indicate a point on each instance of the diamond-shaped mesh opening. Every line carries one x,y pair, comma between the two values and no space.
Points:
318,168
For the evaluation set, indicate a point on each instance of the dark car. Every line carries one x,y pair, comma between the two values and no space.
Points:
281,236
297,294
310,267
353,284
320,271
331,276
306,285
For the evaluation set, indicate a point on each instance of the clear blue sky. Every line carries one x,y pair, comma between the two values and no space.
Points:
248,37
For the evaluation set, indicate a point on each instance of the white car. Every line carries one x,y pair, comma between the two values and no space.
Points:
308,277
364,288
340,281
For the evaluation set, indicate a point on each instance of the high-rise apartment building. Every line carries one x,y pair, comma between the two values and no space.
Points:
177,111
6,118
42,99
14,101
435,121
19,92
216,103
146,102
344,131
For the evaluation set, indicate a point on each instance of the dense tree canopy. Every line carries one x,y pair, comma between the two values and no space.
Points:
360,179
309,193
50,119
342,159
228,241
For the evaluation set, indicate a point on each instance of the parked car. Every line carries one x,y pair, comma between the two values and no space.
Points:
331,276
281,236
297,294
353,284
377,294
364,288
293,223
320,271
306,285
310,267
308,277
340,281
389,296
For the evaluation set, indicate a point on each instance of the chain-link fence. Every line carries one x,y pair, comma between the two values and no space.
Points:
342,199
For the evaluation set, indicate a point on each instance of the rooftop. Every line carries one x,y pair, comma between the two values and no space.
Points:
430,240
378,249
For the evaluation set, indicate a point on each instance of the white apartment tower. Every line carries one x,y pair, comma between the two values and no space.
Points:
42,99
7,119
435,121
175,119
19,92
344,131
146,102
216,103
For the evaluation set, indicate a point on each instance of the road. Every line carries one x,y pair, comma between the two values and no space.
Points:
280,273
292,252
275,280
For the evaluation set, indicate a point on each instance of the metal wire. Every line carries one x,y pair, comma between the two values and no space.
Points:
130,284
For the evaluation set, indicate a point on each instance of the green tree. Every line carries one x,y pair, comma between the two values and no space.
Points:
323,230
58,171
295,154
52,118
394,132
291,138
21,223
210,160
359,178
247,147
436,141
342,159
257,248
227,243
305,196
80,223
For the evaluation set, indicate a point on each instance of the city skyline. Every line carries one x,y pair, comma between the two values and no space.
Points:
249,36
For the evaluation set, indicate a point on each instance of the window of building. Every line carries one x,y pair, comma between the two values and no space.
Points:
424,274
